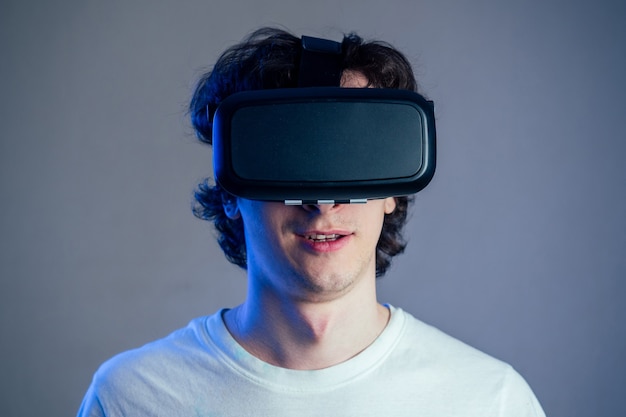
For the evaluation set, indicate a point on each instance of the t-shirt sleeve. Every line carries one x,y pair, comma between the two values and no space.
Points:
91,406
517,398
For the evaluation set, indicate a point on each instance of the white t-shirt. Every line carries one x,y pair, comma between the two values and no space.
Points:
412,369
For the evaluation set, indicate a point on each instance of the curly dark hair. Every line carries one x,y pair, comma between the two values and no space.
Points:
269,58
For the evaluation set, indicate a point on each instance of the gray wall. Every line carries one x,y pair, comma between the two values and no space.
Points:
517,247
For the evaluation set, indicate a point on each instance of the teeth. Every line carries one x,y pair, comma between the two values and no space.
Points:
323,238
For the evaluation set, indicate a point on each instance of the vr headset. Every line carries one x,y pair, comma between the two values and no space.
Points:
320,143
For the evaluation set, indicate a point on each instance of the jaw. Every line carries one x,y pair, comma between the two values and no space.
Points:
321,277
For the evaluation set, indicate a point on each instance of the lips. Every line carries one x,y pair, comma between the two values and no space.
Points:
323,237
329,241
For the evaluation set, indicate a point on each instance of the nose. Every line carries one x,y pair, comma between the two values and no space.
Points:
322,207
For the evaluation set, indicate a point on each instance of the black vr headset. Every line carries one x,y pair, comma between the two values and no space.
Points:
320,143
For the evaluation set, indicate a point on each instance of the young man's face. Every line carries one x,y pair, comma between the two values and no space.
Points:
315,252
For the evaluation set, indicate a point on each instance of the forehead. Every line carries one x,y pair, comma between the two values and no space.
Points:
353,79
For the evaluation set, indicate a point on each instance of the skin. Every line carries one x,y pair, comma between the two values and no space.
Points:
311,299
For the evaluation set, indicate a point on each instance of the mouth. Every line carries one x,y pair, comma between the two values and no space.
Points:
315,237
329,241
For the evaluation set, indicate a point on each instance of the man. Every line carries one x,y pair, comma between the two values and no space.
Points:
311,338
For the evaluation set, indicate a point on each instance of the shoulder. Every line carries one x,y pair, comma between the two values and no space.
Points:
185,341
439,362
169,376
166,359
424,340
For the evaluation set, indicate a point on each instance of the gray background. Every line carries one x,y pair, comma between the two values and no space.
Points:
517,247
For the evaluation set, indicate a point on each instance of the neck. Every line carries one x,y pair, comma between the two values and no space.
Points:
299,334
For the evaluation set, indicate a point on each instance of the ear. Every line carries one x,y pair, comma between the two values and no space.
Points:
231,208
390,205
